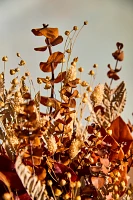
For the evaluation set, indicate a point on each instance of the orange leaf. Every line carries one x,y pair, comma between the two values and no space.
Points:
113,75
57,41
40,48
50,102
47,32
98,182
60,77
45,67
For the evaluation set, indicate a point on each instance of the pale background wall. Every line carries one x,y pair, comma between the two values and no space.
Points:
109,21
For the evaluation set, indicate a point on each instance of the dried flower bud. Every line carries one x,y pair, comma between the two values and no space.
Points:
129,192
89,89
92,73
84,83
117,173
15,81
27,73
47,86
25,88
67,33
17,94
23,78
123,184
95,66
85,94
22,62
84,100
78,198
72,184
78,184
7,196
18,54
117,196
88,119
12,71
75,59
85,22
62,182
116,188
52,145
68,51
49,183
69,175
80,69
17,69
5,58
58,192
97,95
73,63
109,132
1,76
75,28
39,81
66,196
1,104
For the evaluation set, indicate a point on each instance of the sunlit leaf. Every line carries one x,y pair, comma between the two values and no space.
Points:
98,182
60,77
47,32
57,41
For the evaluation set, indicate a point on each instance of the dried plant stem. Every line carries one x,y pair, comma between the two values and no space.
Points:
115,69
52,69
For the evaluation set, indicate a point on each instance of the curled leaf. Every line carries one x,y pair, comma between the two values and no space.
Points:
47,32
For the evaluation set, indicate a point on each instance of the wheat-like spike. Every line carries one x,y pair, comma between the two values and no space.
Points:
118,100
33,185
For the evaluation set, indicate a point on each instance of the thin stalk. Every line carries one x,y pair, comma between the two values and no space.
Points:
115,69
52,70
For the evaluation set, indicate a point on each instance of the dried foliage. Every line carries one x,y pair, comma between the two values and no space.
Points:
61,153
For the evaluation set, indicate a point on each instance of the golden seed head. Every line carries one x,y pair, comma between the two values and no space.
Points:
25,88
85,94
72,184
73,63
116,188
69,175
15,81
1,76
91,160
117,173
75,59
17,69
7,196
12,71
88,119
67,33
109,132
5,58
75,28
1,104
98,134
47,86
117,196
68,51
18,54
63,60
49,183
129,192
66,196
23,78
78,198
27,73
84,83
58,192
89,89
62,182
92,73
17,94
78,184
22,62
116,179
123,184
80,69
85,22
84,100
39,81
78,96
95,65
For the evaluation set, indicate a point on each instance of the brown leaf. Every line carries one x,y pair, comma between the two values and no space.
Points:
118,55
53,59
119,45
40,48
47,32
113,75
57,41
98,182
50,102
60,77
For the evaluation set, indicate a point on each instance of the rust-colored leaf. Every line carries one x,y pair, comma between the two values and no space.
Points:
45,67
57,41
118,55
60,77
56,57
112,74
47,32
98,182
40,48
50,102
